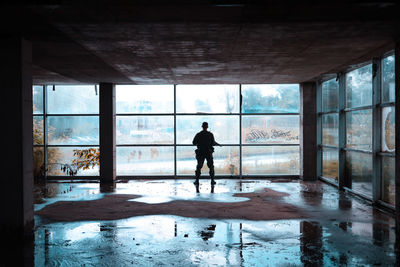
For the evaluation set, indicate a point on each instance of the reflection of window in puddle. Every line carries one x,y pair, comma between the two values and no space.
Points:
208,232
152,199
209,258
201,197
86,230
154,228
357,228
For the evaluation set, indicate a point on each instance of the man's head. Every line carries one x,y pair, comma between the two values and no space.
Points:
205,125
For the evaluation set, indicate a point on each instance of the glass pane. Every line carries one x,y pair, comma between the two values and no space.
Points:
226,161
270,98
330,95
145,160
224,128
330,129
359,87
38,137
330,163
72,99
38,162
73,130
359,170
37,99
388,180
60,161
270,160
388,80
145,129
359,129
270,129
207,98
144,99
388,130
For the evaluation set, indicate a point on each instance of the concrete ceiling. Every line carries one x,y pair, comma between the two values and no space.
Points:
202,42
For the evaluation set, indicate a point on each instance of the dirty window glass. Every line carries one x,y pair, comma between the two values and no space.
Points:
145,160
73,130
37,99
388,180
330,129
388,80
207,98
224,128
60,156
359,169
72,99
144,99
145,130
270,160
359,129
330,163
330,95
269,129
270,98
359,87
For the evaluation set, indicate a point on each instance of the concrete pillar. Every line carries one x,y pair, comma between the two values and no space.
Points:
308,131
107,133
17,165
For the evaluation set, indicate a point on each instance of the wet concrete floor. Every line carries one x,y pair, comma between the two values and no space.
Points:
335,229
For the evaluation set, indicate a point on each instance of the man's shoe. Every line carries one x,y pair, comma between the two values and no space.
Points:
213,182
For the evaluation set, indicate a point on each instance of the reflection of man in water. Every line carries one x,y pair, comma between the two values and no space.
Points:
204,141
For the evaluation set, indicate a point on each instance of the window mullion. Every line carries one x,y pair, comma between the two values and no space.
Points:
376,130
343,180
175,158
45,132
240,132
319,129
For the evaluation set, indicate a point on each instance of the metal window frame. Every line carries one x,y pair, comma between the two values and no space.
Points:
240,144
376,153
46,146
175,145
320,114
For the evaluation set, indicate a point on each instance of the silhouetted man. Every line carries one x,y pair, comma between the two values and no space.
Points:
204,141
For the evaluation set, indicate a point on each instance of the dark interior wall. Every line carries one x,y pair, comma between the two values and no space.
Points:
17,178
16,183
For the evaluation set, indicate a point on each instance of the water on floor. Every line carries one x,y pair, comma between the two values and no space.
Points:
339,230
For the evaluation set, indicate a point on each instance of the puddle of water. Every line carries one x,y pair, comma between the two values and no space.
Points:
167,240
341,231
225,197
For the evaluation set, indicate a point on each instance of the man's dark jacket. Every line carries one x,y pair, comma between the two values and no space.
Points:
204,141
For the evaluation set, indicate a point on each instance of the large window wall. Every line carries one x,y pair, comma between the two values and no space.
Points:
257,125
65,123
357,119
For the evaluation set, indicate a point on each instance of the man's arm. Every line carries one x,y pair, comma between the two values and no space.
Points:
214,142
